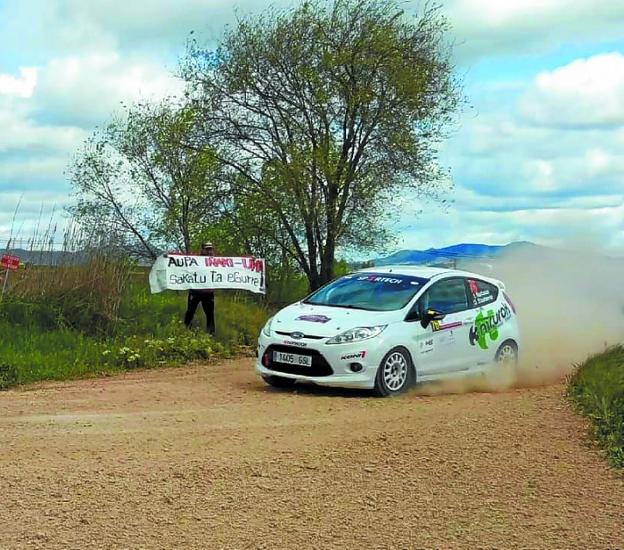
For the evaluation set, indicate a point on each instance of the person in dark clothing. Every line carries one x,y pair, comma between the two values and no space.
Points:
205,297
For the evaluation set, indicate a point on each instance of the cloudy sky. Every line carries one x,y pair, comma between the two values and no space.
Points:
538,155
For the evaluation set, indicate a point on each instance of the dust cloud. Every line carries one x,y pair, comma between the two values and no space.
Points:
570,306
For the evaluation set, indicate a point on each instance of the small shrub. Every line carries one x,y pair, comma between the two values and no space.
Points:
597,390
8,376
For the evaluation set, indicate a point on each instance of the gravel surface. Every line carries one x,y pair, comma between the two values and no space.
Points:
208,457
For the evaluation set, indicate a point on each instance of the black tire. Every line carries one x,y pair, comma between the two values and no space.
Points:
395,373
507,354
279,382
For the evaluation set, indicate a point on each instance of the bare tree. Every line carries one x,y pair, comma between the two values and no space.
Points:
136,178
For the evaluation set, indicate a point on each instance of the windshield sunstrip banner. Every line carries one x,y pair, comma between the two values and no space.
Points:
387,278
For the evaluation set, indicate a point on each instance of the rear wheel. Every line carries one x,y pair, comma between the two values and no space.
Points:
395,373
507,354
279,382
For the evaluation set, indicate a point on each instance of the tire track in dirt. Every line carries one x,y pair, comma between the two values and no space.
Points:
208,457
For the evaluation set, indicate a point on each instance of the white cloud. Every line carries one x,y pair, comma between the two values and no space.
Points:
500,153
495,13
550,183
31,212
523,171
19,86
486,28
549,226
585,93
482,28
85,90
42,130
20,132
34,169
158,28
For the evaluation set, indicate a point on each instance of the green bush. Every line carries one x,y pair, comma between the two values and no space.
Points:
62,354
597,390
239,317
35,343
8,376
41,316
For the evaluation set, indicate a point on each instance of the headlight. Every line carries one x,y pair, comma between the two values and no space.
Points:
267,328
357,334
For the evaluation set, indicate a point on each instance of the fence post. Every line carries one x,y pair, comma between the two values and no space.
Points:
4,284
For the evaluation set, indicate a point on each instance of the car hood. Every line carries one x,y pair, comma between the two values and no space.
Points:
327,321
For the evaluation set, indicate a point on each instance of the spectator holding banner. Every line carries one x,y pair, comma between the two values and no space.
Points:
205,297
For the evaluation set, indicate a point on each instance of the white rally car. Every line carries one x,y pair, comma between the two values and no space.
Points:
385,328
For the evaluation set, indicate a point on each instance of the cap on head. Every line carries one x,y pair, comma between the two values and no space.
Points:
207,245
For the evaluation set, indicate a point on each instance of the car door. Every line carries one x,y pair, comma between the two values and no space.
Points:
443,346
488,317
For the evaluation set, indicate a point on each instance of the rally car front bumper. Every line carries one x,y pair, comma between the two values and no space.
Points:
340,365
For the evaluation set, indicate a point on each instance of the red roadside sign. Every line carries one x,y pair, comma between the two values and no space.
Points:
9,262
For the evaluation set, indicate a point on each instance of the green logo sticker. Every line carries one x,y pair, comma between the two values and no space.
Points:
486,325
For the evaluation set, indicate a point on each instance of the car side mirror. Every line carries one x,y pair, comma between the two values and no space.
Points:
431,315
413,315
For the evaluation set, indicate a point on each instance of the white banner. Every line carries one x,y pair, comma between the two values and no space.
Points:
186,272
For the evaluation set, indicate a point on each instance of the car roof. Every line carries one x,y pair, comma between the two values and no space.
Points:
427,272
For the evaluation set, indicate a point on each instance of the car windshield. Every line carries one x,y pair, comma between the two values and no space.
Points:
370,291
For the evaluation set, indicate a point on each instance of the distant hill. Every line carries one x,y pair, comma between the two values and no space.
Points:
46,257
451,254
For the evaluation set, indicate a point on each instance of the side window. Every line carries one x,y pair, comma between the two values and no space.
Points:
447,296
482,293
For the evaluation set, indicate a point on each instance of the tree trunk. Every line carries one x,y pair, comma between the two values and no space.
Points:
327,261
314,279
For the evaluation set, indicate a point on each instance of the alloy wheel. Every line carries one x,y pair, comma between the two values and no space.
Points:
395,371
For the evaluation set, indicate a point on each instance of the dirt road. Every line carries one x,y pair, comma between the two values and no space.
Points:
208,457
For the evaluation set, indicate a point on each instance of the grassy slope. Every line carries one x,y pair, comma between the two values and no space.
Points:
597,389
148,333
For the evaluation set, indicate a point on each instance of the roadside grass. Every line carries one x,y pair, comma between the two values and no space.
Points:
37,344
597,391
86,310
62,354
239,317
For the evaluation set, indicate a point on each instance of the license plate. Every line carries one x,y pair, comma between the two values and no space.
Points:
292,359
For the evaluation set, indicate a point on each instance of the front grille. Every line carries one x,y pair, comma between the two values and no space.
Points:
308,336
320,367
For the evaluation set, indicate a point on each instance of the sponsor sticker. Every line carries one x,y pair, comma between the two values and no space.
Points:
474,287
437,326
446,338
313,318
480,295
380,279
295,343
358,355
426,345
486,326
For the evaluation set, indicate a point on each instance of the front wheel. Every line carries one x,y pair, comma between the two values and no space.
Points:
279,382
395,373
